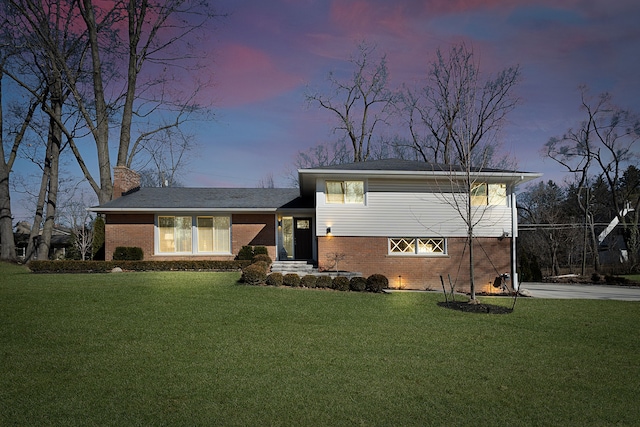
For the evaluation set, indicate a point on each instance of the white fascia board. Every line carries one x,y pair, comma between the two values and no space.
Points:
511,176
153,210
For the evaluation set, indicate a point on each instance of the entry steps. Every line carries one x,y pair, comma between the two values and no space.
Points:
302,268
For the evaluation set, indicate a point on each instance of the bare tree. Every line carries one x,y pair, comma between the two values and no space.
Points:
456,118
80,221
361,103
601,147
462,116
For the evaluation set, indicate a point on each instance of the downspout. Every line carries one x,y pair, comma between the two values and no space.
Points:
514,234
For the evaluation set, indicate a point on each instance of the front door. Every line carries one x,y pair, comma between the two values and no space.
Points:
303,238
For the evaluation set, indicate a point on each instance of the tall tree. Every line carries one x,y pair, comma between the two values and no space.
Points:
361,103
462,115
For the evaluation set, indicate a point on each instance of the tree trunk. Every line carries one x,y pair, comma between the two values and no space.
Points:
55,134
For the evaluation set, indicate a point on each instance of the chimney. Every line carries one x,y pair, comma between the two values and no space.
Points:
125,181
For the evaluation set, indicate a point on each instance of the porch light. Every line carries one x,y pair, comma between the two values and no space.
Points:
328,230
279,222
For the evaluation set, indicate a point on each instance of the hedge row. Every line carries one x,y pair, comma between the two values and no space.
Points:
256,274
70,266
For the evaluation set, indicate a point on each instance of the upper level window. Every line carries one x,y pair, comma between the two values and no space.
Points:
345,192
483,194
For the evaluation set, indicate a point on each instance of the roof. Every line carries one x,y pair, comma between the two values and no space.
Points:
199,199
398,168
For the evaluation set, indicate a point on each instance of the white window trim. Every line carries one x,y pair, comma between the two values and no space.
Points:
194,235
416,252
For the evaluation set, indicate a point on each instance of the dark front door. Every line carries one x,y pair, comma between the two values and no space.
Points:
303,238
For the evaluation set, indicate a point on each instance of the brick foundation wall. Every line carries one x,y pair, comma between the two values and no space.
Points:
254,230
369,255
128,230
138,230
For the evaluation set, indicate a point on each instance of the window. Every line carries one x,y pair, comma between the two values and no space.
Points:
344,192
417,246
483,194
176,234
214,234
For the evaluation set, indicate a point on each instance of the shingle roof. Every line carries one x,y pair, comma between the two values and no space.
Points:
181,198
402,165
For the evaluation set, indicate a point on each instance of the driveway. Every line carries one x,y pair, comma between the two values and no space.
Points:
570,291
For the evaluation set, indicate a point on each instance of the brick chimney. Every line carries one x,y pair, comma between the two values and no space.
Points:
124,180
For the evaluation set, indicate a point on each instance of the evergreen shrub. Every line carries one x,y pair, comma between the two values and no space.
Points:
291,279
340,283
358,284
377,282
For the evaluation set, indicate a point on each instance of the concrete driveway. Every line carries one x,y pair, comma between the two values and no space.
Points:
570,291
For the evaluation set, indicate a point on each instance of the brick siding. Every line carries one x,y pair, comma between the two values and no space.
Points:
369,255
138,230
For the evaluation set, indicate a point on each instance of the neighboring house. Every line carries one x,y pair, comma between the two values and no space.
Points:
392,217
61,240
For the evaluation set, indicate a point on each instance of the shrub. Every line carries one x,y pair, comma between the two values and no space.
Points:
308,281
377,282
68,266
263,265
358,284
291,279
128,253
245,253
263,257
97,245
254,274
340,283
274,279
260,250
323,282
595,277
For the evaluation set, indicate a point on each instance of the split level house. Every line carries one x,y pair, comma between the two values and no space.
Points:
403,219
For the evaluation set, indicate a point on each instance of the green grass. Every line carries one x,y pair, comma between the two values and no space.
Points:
187,348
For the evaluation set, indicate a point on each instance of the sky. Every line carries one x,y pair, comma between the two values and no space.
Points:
265,55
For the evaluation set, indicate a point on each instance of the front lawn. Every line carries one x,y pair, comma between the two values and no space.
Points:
196,348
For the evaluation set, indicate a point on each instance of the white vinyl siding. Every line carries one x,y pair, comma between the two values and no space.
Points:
407,207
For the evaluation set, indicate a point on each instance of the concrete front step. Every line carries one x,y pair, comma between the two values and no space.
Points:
302,268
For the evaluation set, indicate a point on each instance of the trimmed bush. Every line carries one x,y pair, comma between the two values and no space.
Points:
263,265
274,279
358,284
323,282
254,274
245,253
308,281
128,253
260,250
70,266
340,283
263,258
377,282
291,279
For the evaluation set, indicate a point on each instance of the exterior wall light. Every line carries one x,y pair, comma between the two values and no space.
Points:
328,230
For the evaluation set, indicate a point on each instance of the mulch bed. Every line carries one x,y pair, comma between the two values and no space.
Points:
466,307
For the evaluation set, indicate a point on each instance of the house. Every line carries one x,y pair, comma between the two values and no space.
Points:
61,240
393,217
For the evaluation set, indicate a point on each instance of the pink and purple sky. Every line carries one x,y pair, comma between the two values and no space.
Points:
265,54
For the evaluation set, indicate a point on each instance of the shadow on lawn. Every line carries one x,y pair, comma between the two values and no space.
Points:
467,307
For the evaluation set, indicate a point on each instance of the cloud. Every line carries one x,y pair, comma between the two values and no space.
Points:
245,75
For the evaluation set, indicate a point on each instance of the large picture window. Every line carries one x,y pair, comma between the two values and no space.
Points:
483,194
417,246
176,234
345,192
